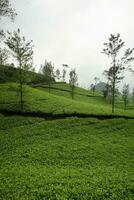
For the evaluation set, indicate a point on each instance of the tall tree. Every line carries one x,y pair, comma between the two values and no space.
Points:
96,80
73,81
112,49
64,72
92,88
4,55
93,85
57,75
106,90
125,94
6,10
22,51
48,72
64,75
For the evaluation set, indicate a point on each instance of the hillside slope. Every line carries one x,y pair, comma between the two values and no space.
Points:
9,73
58,101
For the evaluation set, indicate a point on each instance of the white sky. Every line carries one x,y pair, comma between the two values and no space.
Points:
73,32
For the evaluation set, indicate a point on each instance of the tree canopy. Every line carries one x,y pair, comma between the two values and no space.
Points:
6,9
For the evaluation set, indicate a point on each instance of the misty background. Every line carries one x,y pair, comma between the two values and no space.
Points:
73,32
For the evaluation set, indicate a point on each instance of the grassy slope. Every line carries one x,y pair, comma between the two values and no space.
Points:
66,87
10,74
80,93
66,159
58,101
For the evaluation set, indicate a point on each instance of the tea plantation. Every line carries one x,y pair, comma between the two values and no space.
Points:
64,159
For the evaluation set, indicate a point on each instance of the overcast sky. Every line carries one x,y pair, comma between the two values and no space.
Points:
73,31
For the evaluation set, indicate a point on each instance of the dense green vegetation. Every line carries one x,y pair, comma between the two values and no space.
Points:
58,101
59,141
9,73
66,159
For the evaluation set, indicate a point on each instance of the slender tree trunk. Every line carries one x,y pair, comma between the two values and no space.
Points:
21,87
21,90
113,89
113,96
49,87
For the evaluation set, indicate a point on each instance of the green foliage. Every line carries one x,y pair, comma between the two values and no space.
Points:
67,159
22,51
73,81
9,73
112,49
101,86
48,71
4,55
93,86
8,122
6,10
129,58
64,159
125,94
57,75
59,100
64,75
